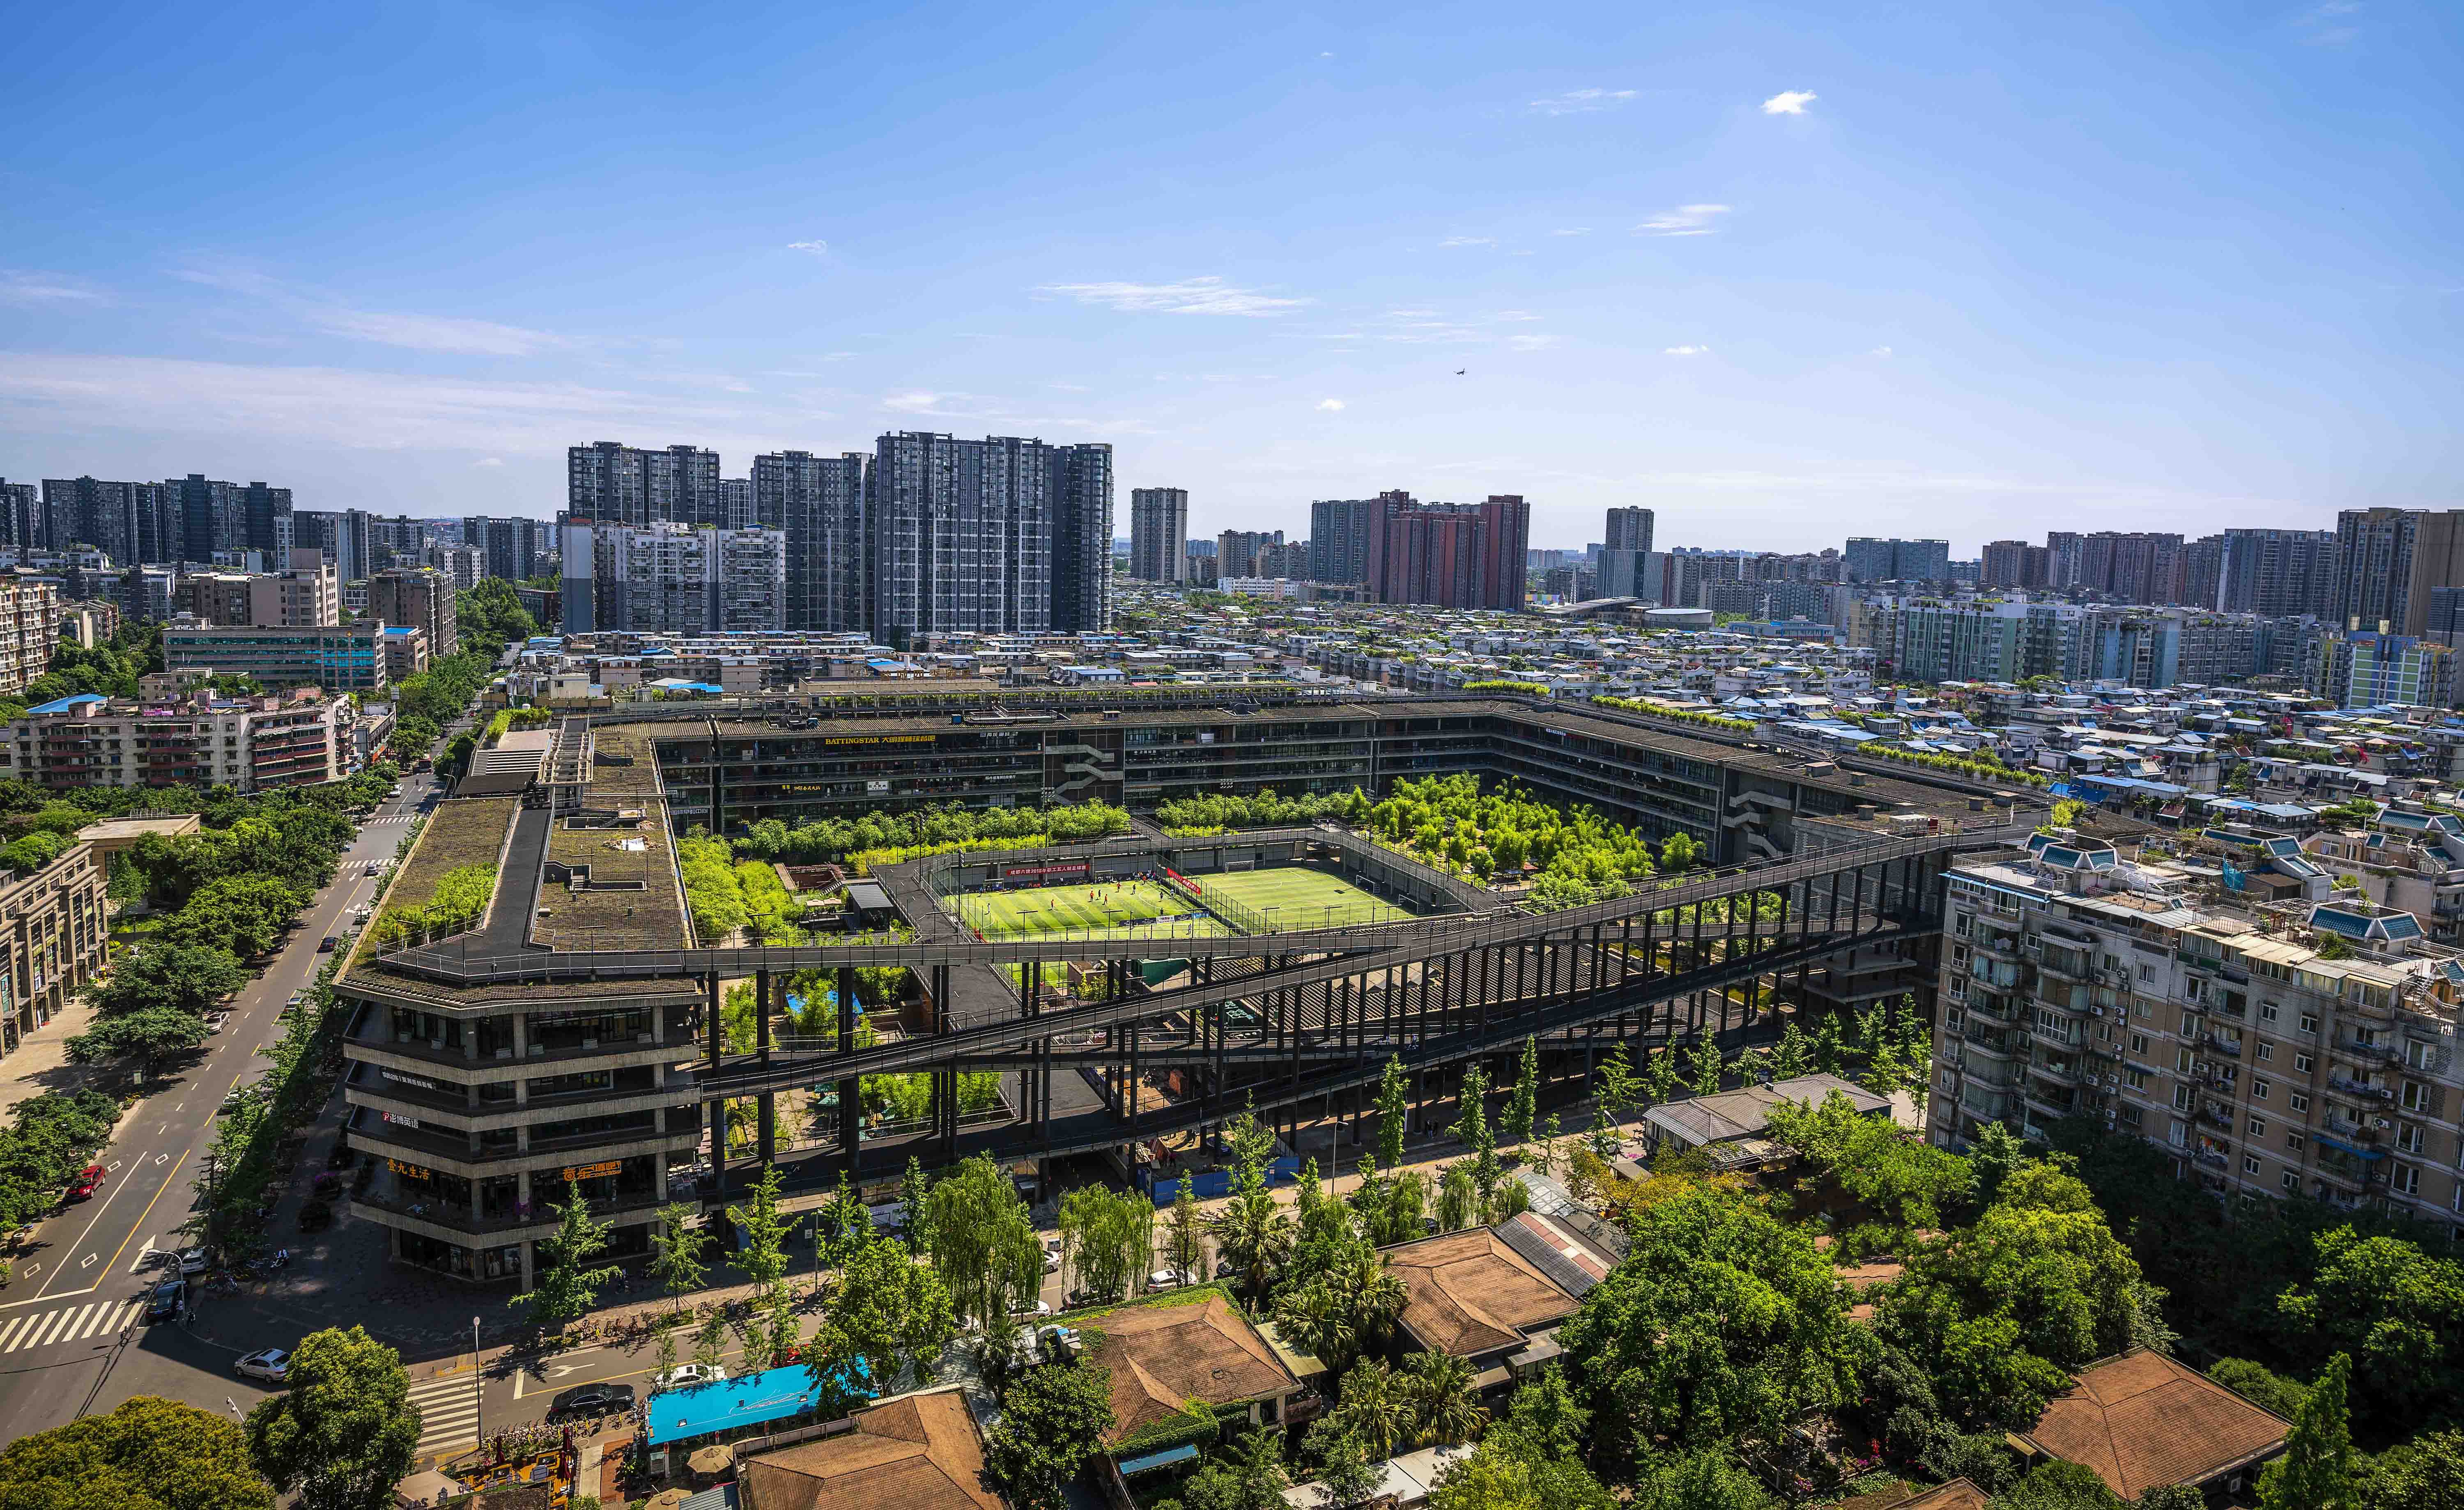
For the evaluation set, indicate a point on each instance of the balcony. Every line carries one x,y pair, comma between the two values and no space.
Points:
2357,1088
2228,1047
2369,1052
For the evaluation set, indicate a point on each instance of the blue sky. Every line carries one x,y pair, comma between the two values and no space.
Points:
1784,275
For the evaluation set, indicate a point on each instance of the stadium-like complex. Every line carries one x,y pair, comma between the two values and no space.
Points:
1105,999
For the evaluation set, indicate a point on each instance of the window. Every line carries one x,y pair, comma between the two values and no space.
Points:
2135,1079
2267,1053
2415,1097
2181,1061
2310,1024
2267,1012
2250,1164
2420,1055
2180,1136
2258,1126
2139,1043
2408,1137
2406,1180
2301,1063
2296,1142
1959,922
2291,1180
2298,1102
2259,1089
2181,1098
2147,972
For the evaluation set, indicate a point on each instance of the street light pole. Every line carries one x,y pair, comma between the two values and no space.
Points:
479,1423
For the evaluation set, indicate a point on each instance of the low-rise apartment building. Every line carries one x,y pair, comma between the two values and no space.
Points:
2296,1046
250,744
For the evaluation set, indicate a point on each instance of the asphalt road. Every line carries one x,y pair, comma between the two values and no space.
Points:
73,1338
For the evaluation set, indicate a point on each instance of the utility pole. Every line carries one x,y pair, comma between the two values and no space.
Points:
479,1380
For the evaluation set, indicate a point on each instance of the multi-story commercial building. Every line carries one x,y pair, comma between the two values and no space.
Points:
1629,529
1450,555
30,619
818,502
423,598
2387,561
22,520
345,659
1159,535
619,484
405,651
2299,1046
1340,530
514,548
1894,560
293,739
2280,572
308,593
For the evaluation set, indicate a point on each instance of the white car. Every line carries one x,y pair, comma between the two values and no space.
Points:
1040,1309
684,1376
1169,1280
272,1364
193,1261
1051,1259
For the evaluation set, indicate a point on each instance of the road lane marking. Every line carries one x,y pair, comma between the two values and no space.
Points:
11,1328
52,1324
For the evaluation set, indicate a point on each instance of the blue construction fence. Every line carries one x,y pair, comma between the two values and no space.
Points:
1212,1185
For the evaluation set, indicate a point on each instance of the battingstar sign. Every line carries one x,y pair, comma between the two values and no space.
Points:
1072,868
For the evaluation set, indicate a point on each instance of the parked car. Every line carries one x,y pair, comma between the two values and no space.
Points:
291,1006
684,1376
330,944
270,1364
193,1261
1051,1258
167,1300
592,1399
89,1180
1170,1280
1038,1310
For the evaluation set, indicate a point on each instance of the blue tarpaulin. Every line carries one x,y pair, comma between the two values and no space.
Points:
757,1399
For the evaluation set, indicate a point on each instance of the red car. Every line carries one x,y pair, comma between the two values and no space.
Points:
88,1180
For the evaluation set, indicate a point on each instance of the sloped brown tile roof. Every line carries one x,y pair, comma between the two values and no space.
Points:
1957,1494
1164,1356
2142,1421
920,1452
1469,1293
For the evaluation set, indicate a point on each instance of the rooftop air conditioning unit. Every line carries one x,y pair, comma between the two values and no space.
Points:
2381,1123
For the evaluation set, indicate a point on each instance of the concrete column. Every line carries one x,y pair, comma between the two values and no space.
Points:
521,1038
530,1280
659,1176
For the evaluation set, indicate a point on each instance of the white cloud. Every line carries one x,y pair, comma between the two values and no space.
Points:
1685,351
1789,103
1573,231
434,332
1575,102
1468,241
1532,342
1514,314
816,248
2321,27
489,461
1685,220
1329,405
472,338
913,402
1209,295
1881,351
46,288
1326,54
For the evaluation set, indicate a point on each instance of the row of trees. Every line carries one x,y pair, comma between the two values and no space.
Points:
947,826
425,704
1571,856
1216,812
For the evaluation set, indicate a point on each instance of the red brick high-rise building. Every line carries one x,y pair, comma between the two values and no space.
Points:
1449,554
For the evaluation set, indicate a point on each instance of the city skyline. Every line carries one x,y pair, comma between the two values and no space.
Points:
1797,281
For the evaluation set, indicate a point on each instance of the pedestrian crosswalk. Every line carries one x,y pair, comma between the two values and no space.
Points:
71,1323
393,819
449,1413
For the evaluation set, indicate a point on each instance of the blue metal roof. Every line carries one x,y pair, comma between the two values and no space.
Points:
755,1399
70,704
1185,1453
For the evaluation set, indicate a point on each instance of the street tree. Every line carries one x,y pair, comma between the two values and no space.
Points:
764,1256
1794,1055
1106,1238
2397,1311
1659,1075
568,1284
982,1240
1347,1477
184,977
1252,1229
146,1035
1446,1401
1054,1419
1185,1230
343,1431
1394,1111
1458,1199
1523,1106
677,1245
888,1319
1616,1088
148,1453
1706,1068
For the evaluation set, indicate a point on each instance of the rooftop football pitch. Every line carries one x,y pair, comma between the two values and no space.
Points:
1284,899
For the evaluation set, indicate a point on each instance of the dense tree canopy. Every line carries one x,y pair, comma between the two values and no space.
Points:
342,1432
149,1453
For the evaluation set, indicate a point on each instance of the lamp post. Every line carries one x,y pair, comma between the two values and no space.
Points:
478,1380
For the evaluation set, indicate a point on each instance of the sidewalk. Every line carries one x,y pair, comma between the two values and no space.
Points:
41,1061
